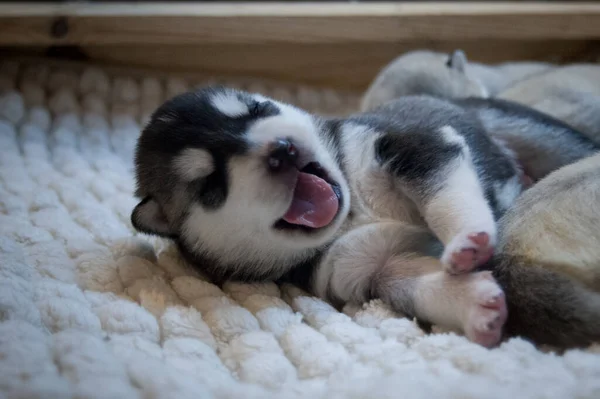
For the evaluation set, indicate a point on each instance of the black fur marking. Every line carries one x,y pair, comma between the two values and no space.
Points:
263,109
417,158
332,131
214,188
190,120
302,274
449,61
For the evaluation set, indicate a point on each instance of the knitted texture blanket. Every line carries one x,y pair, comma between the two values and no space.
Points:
90,309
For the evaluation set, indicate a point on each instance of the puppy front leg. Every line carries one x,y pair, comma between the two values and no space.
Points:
444,184
457,211
398,264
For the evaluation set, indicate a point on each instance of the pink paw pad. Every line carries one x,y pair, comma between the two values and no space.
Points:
487,314
470,252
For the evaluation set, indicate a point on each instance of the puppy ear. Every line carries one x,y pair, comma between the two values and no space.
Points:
147,217
457,61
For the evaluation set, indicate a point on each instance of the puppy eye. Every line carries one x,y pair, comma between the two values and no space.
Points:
449,62
262,109
257,109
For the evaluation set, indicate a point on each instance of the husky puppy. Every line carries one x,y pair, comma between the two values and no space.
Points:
570,93
398,203
444,75
548,258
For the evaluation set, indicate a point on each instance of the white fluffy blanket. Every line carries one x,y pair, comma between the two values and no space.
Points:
89,309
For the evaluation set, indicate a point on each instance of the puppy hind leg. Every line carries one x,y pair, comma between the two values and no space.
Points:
472,303
399,264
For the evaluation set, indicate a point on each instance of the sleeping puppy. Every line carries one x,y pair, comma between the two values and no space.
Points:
548,258
399,203
446,76
570,93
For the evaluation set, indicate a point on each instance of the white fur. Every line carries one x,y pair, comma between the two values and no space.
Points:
485,93
507,193
193,163
458,301
460,205
451,136
229,104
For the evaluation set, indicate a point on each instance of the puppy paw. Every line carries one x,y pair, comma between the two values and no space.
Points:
467,251
486,311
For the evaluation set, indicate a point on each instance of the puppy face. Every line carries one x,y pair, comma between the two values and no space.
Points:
241,178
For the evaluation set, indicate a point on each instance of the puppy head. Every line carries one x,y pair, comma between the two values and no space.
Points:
239,177
423,72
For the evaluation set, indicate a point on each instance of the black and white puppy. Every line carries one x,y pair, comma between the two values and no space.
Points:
398,203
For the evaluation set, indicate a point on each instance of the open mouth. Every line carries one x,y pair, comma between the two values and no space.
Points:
316,202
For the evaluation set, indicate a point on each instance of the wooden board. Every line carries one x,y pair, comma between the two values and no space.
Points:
341,45
347,66
260,23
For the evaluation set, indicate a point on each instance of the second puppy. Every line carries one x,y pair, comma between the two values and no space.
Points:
446,76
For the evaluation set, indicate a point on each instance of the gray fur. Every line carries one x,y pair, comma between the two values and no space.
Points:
541,143
444,75
570,93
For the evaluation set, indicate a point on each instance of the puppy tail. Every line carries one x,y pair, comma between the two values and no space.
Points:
546,307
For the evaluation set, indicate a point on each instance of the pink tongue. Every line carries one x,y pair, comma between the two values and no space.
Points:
314,204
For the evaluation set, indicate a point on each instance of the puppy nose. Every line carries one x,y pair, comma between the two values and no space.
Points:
282,152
